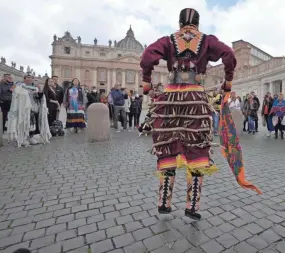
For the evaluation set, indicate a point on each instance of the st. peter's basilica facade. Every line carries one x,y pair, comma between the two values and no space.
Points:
102,66
118,63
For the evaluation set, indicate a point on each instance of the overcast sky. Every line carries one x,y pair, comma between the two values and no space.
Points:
27,27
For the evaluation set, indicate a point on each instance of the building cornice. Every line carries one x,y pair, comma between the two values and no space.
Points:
105,63
265,75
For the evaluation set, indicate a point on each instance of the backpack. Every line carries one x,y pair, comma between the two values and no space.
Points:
118,98
56,128
219,102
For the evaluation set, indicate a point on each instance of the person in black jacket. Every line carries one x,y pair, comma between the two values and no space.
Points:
58,89
265,111
93,96
255,98
6,97
52,100
135,111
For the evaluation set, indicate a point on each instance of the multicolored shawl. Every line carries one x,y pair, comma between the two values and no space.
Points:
278,108
231,148
74,98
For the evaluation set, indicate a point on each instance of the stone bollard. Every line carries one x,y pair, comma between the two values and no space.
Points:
238,119
98,122
1,128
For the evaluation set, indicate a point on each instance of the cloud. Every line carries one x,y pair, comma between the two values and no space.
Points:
27,31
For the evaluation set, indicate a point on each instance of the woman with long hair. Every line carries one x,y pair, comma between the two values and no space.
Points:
75,101
265,112
51,98
251,108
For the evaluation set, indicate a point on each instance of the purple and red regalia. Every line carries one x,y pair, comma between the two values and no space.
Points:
181,116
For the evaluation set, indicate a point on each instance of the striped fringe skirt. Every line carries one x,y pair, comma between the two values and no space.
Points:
181,120
75,119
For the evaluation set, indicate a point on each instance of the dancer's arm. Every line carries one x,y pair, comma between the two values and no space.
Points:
150,58
218,50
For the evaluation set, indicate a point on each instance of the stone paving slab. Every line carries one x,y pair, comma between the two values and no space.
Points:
71,196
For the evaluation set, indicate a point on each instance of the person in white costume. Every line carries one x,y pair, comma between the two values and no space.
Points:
28,115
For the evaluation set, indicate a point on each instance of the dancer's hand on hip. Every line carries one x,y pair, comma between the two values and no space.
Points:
146,88
227,86
151,93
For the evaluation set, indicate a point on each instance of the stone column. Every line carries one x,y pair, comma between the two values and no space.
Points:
137,80
95,78
108,81
161,78
283,86
114,77
271,88
123,78
82,73
78,73
262,90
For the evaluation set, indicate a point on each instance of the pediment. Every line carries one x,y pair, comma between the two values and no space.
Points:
129,59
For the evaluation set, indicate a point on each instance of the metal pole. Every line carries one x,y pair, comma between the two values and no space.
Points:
1,128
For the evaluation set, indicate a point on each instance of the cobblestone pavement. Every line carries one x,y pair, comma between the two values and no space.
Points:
71,196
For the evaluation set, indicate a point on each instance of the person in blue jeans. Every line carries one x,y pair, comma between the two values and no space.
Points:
252,108
119,109
216,120
217,100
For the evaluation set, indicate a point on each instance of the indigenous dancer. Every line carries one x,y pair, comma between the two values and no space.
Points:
181,115
75,101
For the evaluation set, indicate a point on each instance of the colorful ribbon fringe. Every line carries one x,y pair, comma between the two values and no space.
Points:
231,148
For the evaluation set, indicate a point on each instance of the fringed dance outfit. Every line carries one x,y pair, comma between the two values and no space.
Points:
181,117
75,100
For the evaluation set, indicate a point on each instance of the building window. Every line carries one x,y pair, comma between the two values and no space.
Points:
119,55
67,50
102,77
87,53
102,54
66,73
130,76
87,74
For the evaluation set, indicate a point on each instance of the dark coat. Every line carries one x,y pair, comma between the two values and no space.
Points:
59,93
136,106
93,97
